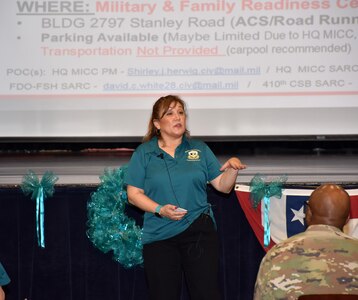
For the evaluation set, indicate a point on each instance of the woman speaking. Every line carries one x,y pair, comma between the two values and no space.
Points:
167,178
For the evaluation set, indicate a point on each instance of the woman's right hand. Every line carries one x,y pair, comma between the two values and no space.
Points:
137,197
170,211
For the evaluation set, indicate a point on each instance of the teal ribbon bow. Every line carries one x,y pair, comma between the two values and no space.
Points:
40,190
260,189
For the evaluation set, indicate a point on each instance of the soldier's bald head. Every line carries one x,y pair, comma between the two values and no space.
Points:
329,204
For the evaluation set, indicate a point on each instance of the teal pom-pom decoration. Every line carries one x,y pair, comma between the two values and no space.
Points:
109,228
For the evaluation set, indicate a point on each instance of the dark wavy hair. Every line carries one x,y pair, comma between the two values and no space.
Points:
160,108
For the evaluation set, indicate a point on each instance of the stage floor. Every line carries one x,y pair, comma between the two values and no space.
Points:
84,168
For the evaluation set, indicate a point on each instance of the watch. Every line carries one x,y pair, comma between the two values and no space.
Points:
157,211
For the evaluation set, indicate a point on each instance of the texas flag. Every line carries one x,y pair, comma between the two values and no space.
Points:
287,213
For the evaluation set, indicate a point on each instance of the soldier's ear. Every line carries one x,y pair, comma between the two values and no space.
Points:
348,218
308,215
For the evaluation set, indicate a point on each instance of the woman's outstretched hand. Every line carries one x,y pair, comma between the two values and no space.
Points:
233,163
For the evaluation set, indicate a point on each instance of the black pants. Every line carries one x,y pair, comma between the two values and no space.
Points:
193,253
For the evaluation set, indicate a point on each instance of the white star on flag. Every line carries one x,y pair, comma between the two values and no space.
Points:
299,215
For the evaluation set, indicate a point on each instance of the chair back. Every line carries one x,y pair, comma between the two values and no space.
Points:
328,297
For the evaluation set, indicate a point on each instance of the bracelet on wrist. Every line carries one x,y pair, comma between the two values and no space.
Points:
157,211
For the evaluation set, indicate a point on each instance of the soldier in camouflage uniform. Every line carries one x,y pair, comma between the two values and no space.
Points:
321,260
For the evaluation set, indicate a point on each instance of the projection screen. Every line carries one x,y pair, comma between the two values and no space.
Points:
245,68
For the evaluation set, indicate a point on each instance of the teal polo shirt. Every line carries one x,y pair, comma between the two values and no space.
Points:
180,180
4,278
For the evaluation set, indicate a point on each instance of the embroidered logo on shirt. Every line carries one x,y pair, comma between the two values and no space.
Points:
193,155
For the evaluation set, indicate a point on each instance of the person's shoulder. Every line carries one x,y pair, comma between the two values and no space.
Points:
285,246
342,240
4,278
330,233
145,147
141,147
